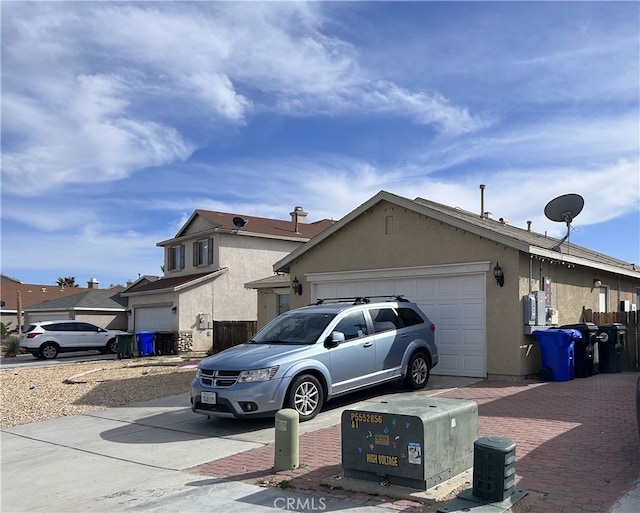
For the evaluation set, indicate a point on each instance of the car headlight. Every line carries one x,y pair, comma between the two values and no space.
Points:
250,376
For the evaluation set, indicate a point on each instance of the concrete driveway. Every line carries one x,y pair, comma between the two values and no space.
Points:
142,458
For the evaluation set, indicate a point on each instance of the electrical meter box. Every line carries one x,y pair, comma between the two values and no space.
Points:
535,310
409,441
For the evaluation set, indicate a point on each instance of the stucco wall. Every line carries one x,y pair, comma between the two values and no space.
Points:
248,259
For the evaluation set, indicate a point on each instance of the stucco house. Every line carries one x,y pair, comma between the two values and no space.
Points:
445,259
202,293
103,307
18,299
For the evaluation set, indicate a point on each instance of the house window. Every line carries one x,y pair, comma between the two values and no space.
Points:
203,252
176,257
284,303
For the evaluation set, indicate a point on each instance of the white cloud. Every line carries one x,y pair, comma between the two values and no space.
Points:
90,97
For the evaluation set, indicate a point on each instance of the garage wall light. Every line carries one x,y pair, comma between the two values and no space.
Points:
597,283
498,274
296,286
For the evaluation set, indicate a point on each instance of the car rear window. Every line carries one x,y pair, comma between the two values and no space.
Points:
410,317
59,327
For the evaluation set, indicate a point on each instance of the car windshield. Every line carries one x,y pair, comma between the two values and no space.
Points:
293,328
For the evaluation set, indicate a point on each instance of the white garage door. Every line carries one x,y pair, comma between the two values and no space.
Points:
153,319
46,316
455,303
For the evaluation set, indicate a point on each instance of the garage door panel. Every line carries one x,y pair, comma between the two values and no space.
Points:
455,304
471,364
473,312
153,319
448,365
449,288
425,288
474,286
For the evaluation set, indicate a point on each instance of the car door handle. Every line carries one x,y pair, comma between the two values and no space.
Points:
403,336
367,344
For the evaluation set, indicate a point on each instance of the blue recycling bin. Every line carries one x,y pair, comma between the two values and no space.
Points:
557,353
146,340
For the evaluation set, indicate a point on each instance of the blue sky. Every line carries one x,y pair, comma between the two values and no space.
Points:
119,119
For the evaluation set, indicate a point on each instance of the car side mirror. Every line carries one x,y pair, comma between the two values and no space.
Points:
334,339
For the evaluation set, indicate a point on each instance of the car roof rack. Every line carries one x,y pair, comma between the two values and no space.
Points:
360,300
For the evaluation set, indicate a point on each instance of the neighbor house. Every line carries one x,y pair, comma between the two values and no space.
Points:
201,298
474,276
103,307
19,297
106,308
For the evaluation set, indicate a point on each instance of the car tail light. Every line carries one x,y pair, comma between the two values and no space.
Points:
433,328
32,335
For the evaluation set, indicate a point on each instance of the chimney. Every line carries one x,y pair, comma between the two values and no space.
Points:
93,283
482,187
298,216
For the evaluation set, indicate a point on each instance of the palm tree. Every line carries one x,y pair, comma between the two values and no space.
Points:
69,281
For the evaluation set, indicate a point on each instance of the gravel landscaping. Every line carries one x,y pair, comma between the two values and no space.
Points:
36,394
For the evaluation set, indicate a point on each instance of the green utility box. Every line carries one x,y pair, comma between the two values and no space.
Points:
125,346
409,441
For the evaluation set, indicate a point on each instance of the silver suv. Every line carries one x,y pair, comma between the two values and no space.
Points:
309,355
47,339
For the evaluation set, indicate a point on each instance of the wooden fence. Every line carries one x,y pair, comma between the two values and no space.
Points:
227,334
631,357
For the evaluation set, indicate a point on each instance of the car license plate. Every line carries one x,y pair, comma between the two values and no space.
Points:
208,397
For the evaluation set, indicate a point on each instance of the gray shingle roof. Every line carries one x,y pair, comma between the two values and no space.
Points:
529,242
106,299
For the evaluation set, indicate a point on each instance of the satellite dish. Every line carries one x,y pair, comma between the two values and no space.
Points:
239,222
564,209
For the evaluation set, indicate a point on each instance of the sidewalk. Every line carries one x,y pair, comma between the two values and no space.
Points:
577,447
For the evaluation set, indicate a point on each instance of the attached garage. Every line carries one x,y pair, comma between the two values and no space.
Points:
157,318
452,296
32,317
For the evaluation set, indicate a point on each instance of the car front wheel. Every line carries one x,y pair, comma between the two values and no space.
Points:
49,351
306,396
112,346
418,371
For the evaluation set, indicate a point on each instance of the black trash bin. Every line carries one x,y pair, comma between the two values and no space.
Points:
612,347
164,343
586,351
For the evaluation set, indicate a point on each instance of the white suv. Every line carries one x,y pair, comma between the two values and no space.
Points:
306,356
49,338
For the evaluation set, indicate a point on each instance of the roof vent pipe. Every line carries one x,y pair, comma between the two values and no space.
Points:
482,187
528,226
